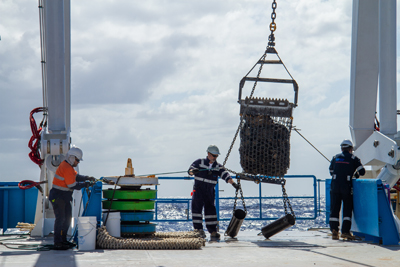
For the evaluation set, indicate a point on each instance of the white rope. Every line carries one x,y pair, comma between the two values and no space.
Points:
177,240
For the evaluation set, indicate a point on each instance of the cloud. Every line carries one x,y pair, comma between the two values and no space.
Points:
157,81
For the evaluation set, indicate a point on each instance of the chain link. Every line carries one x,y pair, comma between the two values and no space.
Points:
245,110
286,202
241,197
272,25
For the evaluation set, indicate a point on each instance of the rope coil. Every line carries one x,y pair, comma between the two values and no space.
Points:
178,240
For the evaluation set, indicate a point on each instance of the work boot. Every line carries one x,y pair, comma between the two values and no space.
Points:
70,244
200,232
215,235
347,236
61,246
335,235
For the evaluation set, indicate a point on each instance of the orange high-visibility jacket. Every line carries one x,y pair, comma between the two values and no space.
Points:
65,177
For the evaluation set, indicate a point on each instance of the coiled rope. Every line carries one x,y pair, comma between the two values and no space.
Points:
177,240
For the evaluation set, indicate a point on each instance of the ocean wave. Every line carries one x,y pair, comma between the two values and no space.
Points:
304,210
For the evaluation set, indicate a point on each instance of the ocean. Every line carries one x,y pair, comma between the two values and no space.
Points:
271,208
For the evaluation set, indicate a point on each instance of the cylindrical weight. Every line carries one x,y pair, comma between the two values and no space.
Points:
235,223
277,226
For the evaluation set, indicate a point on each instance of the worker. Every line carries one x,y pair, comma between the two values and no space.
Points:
206,172
65,181
342,169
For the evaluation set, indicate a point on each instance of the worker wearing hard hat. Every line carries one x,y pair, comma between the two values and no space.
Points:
206,172
65,181
342,168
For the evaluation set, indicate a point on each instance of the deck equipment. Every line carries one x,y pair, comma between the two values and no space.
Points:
265,127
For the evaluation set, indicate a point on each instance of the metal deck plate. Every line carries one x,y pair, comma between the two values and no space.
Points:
288,248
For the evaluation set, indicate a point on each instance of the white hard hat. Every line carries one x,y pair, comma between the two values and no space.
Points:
213,149
77,152
346,143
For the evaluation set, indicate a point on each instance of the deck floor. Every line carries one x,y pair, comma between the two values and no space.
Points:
288,248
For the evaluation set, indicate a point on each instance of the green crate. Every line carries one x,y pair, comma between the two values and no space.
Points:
129,204
129,194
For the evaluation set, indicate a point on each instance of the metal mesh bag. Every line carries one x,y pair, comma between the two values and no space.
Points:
265,141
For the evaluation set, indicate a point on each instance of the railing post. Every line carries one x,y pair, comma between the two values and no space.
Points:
188,210
319,197
156,204
315,196
260,199
217,200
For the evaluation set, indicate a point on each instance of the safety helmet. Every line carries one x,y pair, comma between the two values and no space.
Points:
77,152
213,149
346,143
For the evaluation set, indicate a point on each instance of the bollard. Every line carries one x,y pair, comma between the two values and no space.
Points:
235,223
277,226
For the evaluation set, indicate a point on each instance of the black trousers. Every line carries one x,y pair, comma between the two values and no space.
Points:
204,197
336,203
63,213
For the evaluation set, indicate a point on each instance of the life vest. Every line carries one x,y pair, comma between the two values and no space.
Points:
65,177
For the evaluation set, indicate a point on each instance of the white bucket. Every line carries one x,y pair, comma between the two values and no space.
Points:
113,225
87,233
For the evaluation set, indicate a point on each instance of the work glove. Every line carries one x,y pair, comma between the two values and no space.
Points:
91,178
236,186
89,184
357,175
195,171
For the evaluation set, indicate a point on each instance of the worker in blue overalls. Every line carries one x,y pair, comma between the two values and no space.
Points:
342,168
206,172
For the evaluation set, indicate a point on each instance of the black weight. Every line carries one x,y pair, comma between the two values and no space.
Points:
278,226
235,223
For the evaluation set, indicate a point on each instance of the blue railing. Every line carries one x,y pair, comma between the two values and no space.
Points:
18,205
316,200
319,181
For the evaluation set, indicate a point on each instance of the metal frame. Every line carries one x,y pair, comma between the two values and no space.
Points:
259,197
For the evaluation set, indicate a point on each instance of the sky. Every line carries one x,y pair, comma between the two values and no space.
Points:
157,81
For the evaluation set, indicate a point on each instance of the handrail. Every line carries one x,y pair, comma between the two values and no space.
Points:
259,197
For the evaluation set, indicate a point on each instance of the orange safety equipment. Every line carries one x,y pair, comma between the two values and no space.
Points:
65,177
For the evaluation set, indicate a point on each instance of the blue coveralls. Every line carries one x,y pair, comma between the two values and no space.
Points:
204,193
342,168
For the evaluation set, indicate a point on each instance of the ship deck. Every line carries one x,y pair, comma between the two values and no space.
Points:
288,248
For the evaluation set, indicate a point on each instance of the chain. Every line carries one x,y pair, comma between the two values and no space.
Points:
245,110
286,202
272,26
241,197
271,44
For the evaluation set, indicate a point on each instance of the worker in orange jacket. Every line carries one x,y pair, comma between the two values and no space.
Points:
65,181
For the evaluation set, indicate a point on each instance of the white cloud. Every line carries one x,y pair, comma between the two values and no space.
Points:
158,81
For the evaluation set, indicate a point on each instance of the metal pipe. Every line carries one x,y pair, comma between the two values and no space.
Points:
387,68
55,64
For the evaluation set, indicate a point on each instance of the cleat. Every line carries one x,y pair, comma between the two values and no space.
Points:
335,235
